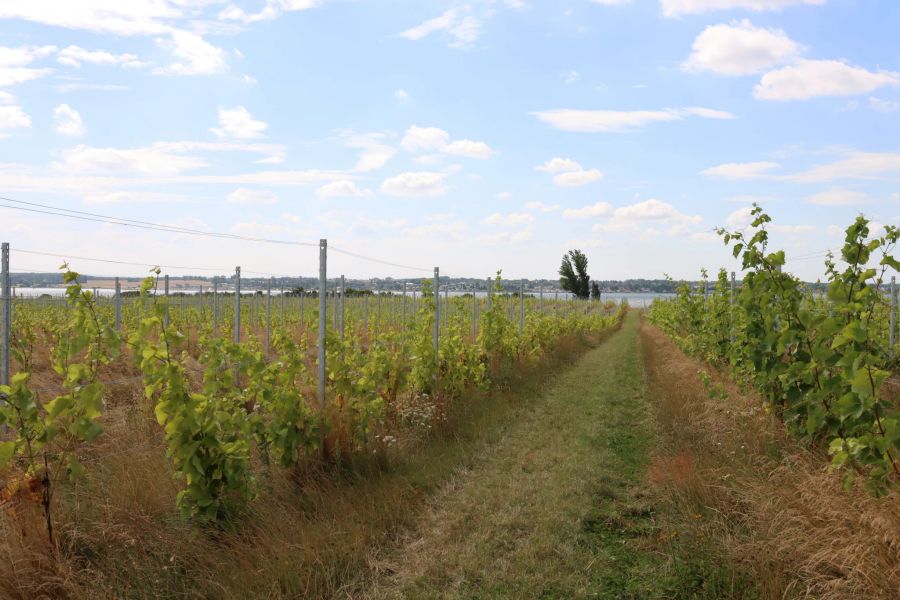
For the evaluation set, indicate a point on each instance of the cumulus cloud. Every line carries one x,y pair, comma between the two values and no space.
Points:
748,170
415,184
75,56
14,64
435,139
68,121
238,123
807,79
739,49
251,197
837,197
462,28
599,209
193,55
13,117
648,216
342,188
568,173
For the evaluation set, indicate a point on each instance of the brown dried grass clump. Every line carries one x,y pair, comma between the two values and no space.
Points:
773,506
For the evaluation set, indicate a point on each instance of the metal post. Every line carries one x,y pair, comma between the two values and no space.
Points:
282,305
541,292
323,289
378,312
403,309
437,318
7,315
215,303
475,313
334,317
118,305
366,313
166,288
237,305
342,308
893,312
269,317
521,307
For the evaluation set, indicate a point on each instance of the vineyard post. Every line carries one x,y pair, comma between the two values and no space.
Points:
893,312
237,305
118,305
342,308
323,289
334,316
366,313
446,313
541,292
403,308
437,317
200,305
302,296
166,288
521,307
731,309
475,311
269,316
378,312
7,315
215,303
282,305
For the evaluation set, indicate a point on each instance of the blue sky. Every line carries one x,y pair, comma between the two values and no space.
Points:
468,135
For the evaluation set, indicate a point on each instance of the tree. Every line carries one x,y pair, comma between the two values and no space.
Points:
595,290
573,276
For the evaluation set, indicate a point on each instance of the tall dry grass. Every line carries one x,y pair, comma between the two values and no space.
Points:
309,533
744,488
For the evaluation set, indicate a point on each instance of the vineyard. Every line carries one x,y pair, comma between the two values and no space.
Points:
243,385
822,363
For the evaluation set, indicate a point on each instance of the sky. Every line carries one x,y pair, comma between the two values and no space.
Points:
472,136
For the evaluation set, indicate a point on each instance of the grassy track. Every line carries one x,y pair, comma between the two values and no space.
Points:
556,508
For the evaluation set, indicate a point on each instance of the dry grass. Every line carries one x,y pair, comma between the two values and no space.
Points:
308,534
744,488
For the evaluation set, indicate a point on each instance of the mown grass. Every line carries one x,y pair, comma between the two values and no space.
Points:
558,508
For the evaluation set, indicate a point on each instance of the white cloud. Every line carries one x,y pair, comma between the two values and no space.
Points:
375,154
740,218
750,170
75,56
462,29
193,54
252,197
542,206
600,209
677,8
132,198
14,63
134,17
739,49
510,219
151,160
342,188
568,172
646,217
884,106
271,11
65,88
504,195
415,184
68,121
436,139
424,138
814,78
402,95
604,121
837,197
853,164
238,123
577,178
13,117
558,165
469,149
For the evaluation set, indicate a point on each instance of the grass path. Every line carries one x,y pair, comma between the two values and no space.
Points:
554,509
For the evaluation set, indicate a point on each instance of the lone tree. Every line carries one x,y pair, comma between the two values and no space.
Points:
573,275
